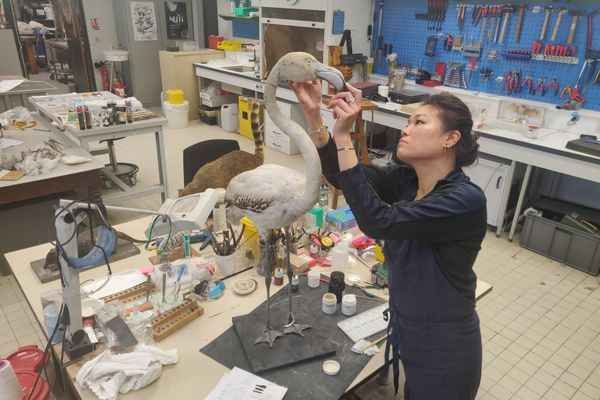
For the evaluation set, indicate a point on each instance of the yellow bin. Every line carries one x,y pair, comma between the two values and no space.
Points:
250,240
175,96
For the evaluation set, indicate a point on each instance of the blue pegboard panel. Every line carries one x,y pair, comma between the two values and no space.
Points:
408,36
245,29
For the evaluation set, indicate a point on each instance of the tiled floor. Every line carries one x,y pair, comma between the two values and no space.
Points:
540,324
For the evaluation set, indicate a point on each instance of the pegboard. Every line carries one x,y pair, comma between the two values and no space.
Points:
245,29
408,35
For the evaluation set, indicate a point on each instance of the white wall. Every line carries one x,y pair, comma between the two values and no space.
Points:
103,38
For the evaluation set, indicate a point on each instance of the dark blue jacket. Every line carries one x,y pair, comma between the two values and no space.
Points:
444,230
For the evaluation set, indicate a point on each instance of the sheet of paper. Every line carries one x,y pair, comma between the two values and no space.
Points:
117,283
5,143
9,84
238,384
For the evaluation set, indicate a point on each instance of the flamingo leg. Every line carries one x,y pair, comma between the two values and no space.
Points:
268,335
291,326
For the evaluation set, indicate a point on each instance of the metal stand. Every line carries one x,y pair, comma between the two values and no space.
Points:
291,326
269,335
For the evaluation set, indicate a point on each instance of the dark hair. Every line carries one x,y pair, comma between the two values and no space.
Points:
455,115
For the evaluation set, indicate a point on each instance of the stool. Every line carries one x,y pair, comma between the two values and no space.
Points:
121,170
359,136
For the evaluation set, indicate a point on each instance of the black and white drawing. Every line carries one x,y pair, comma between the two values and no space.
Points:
143,19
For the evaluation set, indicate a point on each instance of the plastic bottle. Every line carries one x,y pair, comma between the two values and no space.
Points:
51,319
339,257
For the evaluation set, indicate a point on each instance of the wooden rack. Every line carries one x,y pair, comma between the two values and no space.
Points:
175,318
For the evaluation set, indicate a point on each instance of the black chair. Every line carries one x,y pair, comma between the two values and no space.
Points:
199,154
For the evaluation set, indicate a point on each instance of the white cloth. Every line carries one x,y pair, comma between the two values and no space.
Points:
108,374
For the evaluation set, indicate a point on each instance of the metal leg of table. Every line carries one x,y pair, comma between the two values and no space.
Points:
513,226
162,164
504,199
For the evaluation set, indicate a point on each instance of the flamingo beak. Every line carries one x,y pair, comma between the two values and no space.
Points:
331,75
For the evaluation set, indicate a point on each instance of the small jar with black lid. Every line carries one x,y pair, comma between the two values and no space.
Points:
337,285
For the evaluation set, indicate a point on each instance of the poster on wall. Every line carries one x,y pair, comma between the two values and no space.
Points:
144,21
177,22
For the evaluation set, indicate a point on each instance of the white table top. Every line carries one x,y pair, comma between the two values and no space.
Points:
32,138
195,374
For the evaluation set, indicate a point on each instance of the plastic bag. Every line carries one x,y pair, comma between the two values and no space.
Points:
17,118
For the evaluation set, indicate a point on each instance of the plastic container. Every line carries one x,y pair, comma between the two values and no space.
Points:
27,380
51,319
213,41
177,114
339,257
314,279
175,96
250,238
348,304
329,303
229,118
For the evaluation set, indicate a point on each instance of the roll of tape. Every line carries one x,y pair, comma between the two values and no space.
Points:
10,389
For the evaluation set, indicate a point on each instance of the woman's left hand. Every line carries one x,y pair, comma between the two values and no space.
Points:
345,107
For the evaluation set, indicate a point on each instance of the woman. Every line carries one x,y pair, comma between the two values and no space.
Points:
433,220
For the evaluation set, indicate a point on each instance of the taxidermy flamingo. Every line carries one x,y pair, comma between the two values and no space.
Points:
273,196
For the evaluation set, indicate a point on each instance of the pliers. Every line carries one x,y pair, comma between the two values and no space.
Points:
541,82
566,90
527,82
553,84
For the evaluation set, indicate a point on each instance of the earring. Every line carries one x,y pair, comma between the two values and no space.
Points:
445,149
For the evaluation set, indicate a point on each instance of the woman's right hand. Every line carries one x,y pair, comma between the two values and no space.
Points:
309,96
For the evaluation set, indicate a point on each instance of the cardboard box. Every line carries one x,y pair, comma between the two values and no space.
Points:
341,218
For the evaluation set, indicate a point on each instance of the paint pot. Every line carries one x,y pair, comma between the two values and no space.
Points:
331,367
278,281
314,278
295,283
337,285
348,304
329,303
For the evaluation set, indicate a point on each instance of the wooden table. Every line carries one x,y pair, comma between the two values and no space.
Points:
194,376
60,179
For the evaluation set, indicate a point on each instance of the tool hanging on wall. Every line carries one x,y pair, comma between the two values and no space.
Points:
476,15
499,14
462,9
492,12
457,45
589,52
561,11
431,46
548,10
520,22
380,35
576,17
508,10
484,11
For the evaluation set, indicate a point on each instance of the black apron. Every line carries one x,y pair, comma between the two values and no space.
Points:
433,330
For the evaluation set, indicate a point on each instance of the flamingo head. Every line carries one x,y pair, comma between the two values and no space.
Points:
302,67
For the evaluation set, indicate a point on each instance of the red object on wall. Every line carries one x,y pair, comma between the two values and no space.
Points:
94,23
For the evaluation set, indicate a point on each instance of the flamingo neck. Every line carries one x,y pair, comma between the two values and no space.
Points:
297,135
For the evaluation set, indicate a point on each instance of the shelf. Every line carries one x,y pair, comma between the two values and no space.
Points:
229,17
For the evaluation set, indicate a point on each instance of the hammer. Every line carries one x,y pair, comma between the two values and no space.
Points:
576,16
549,11
561,11
508,10
520,22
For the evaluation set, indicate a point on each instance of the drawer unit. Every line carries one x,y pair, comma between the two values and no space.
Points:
277,140
274,137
